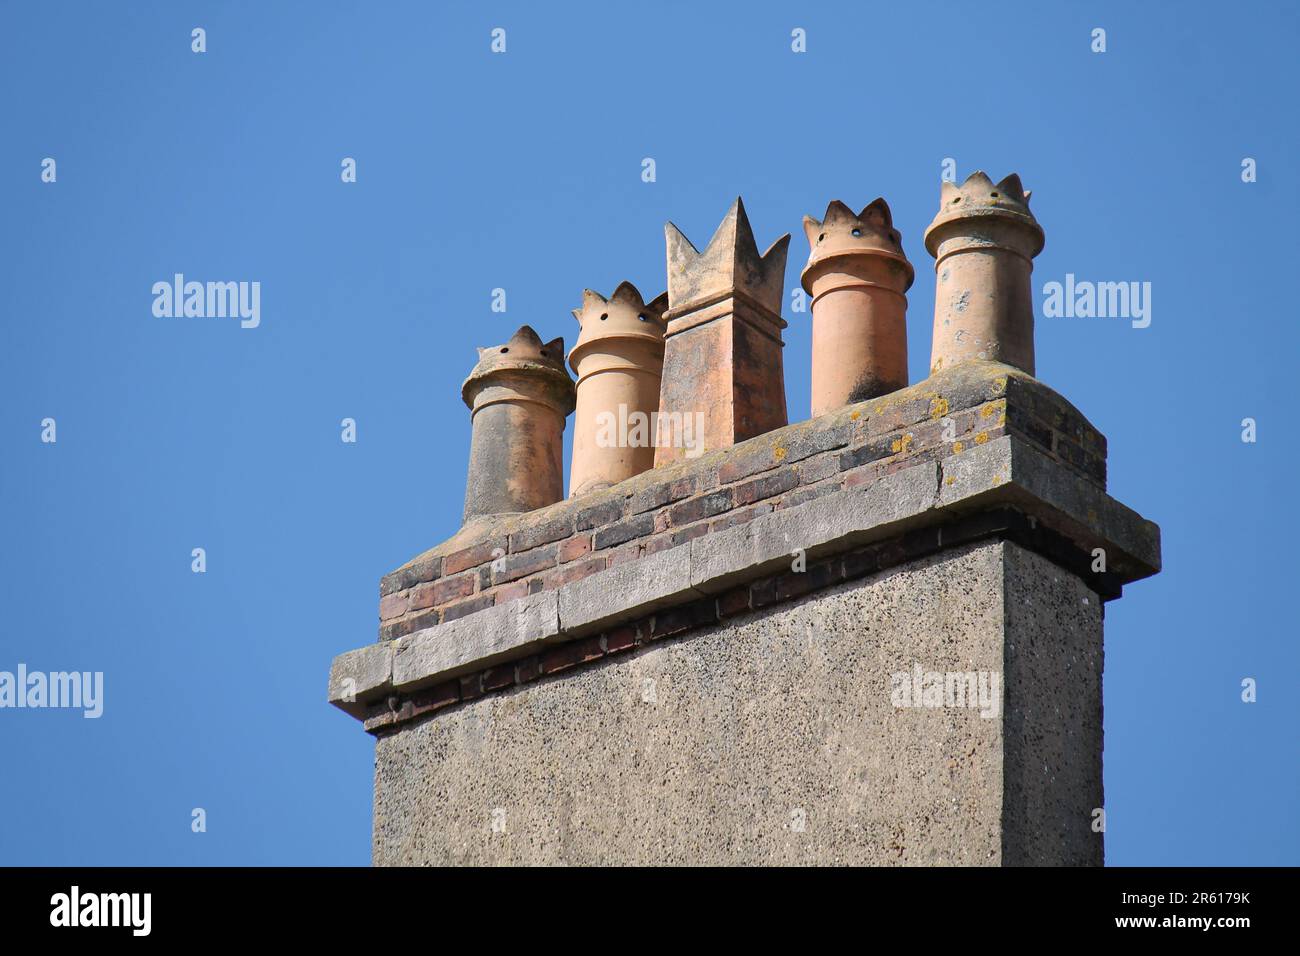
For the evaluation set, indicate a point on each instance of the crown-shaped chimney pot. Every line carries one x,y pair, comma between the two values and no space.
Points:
723,379
984,239
857,276
519,395
730,263
618,359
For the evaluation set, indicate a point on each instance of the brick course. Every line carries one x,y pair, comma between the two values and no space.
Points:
791,466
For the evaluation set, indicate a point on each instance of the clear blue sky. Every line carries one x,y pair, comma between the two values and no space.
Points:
523,171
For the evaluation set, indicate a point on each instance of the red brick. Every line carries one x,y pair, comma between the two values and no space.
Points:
440,592
572,572
510,592
574,548
435,698
599,514
769,486
815,469
471,686
534,537
739,516
530,668
459,609
405,625
521,565
393,605
571,654
682,535
629,552
732,602
473,556
498,677
638,527
656,496
620,639
660,542
705,506
417,572
684,618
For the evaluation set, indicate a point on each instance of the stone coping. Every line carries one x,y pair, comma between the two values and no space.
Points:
499,559
1006,472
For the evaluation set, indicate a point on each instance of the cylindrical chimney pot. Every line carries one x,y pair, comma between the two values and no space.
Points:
519,395
984,240
858,278
619,359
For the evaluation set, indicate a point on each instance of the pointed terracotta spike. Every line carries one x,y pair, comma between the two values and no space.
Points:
731,232
627,292
977,178
812,229
525,335
947,191
1027,195
878,210
659,305
774,263
1011,185
837,213
577,314
555,346
681,251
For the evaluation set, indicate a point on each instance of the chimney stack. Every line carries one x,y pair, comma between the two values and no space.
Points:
984,239
857,276
722,350
618,358
519,395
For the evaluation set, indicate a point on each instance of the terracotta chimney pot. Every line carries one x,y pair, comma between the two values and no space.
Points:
857,276
984,240
519,395
619,359
723,370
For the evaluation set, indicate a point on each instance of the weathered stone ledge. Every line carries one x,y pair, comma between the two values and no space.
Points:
1065,515
498,560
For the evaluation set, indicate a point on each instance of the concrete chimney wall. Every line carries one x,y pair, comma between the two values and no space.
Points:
519,395
874,637
857,276
722,351
618,358
984,239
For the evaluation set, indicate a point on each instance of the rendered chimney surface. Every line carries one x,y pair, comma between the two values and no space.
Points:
618,358
857,276
722,350
984,239
519,395
874,637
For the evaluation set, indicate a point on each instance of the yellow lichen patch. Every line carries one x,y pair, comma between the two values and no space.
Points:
938,408
957,447
1000,384
902,445
855,416
997,480
778,452
981,438
950,480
